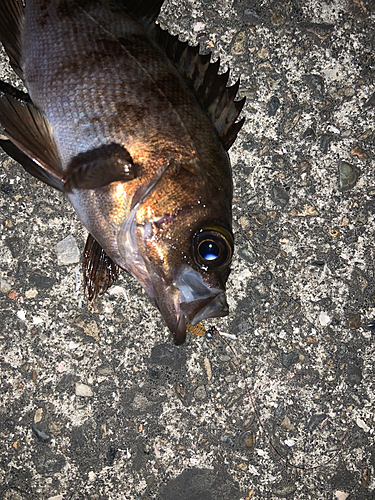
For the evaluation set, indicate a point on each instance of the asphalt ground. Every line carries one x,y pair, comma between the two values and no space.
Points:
277,401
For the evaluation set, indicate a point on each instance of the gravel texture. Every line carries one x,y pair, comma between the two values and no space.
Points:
96,401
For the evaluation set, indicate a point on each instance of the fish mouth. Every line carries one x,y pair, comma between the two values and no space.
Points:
190,301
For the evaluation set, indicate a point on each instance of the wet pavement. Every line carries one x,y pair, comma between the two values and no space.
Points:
277,399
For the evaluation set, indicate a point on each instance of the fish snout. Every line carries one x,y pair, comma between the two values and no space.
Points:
189,300
198,299
214,306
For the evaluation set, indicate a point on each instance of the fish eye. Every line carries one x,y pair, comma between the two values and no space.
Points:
212,248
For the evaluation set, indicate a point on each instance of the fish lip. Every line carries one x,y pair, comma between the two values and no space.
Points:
193,312
215,306
179,335
196,299
188,300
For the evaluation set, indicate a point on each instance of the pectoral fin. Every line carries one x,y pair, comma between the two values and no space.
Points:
99,270
30,138
99,167
11,21
30,165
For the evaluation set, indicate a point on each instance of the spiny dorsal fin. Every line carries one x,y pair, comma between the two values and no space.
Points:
11,21
32,143
210,87
99,270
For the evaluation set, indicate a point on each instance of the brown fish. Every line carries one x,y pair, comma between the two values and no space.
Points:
134,126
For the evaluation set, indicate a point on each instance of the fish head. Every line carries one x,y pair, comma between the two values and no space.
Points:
179,245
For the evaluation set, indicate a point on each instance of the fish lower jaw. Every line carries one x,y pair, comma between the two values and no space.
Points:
180,334
196,311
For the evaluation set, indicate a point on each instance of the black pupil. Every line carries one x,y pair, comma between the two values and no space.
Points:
209,250
212,248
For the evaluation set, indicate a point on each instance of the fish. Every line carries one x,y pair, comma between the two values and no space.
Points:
134,127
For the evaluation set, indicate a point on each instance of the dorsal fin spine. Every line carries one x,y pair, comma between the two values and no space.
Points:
209,86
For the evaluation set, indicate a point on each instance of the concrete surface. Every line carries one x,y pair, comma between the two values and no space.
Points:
97,403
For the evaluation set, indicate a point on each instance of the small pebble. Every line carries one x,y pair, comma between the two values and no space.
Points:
333,74
365,135
288,359
353,374
5,287
277,19
42,436
273,84
111,454
310,339
287,424
21,315
324,319
239,44
290,442
263,54
304,166
362,425
284,489
83,390
38,415
316,83
244,222
354,321
180,389
119,290
200,393
309,133
273,105
291,122
242,466
279,196
30,294
207,366
92,476
308,211
325,141
316,420
248,440
333,129
348,175
340,495
199,26
226,439
345,221
260,219
252,470
247,253
357,151
67,251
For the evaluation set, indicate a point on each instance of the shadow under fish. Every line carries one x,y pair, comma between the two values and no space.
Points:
133,126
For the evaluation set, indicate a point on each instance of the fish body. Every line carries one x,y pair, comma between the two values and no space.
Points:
134,127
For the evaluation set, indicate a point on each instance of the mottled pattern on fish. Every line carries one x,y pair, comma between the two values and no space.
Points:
137,125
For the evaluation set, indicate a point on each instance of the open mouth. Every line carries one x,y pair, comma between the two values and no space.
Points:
195,302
